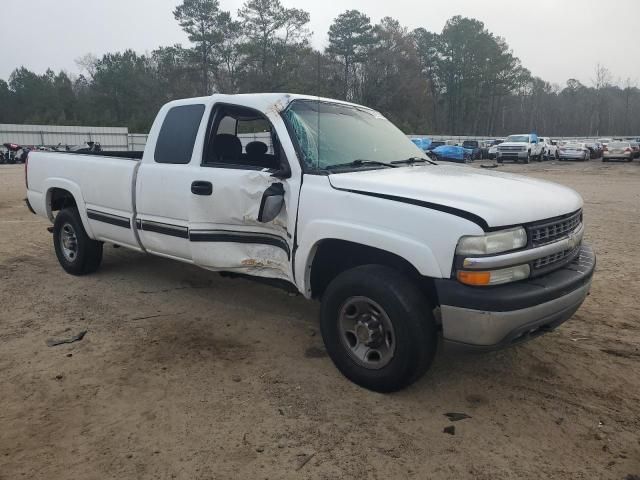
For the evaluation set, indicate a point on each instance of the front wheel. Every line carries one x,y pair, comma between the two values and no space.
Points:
76,252
378,328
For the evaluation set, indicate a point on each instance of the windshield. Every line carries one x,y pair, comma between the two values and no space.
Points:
332,134
518,138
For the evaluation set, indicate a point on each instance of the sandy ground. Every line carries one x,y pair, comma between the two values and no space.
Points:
185,374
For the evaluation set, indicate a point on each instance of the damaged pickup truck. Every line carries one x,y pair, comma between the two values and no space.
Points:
333,200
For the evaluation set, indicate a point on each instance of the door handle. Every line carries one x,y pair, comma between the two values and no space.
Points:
200,187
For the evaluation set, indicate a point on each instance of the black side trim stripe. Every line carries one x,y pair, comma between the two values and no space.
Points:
116,220
164,229
481,222
240,237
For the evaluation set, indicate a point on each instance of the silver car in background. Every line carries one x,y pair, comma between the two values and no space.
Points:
618,151
574,151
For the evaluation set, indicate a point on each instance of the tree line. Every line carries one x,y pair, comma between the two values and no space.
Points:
463,80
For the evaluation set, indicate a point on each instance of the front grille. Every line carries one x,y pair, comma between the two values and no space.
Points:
555,258
550,231
510,149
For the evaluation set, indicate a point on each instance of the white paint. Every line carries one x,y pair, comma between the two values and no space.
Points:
425,237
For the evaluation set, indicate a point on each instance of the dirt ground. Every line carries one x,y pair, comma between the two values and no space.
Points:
185,374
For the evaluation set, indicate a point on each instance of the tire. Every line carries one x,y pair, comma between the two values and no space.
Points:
412,336
528,159
76,252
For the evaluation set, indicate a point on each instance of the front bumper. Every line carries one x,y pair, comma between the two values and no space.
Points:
489,318
513,155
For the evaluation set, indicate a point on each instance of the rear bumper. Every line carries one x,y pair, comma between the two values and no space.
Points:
497,317
572,156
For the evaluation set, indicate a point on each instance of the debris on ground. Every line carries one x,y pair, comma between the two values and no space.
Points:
305,460
52,342
451,430
456,417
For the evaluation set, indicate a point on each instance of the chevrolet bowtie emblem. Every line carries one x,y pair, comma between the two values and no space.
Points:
572,240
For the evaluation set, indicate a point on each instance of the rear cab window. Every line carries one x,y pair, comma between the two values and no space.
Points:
178,134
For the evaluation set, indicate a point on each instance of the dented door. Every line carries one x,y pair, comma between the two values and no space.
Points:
224,231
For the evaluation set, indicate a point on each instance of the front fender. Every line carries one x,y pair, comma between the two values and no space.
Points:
74,189
416,253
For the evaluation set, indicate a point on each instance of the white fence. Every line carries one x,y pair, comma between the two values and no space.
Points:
111,138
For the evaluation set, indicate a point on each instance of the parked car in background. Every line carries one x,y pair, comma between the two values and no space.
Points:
422,143
435,144
574,151
604,141
483,259
484,148
595,148
635,146
452,153
520,148
618,151
493,149
474,146
549,148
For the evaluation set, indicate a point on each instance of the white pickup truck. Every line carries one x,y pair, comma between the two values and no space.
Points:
338,204
521,148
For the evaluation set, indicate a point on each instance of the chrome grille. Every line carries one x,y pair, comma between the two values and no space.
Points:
548,232
509,148
555,258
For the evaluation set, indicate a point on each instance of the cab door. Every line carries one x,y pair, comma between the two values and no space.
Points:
163,184
240,209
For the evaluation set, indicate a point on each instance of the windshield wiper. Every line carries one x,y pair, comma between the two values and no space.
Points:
361,163
413,161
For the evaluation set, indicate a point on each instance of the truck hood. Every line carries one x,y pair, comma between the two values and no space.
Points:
500,199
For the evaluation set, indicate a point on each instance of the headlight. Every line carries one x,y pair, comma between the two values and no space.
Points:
493,242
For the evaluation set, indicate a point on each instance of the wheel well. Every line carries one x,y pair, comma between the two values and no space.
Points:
333,257
60,198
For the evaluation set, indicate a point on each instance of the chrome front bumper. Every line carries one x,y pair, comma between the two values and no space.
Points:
495,317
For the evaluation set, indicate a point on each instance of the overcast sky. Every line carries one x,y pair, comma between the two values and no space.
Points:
555,39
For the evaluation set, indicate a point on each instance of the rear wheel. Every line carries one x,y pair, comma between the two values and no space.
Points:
378,328
76,252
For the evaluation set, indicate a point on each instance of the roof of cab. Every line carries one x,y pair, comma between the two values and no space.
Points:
262,101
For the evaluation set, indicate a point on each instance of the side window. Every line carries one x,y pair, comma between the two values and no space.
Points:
241,138
178,134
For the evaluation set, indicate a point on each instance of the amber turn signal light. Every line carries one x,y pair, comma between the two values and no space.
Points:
474,278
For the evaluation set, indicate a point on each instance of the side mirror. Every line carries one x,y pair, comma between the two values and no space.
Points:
272,203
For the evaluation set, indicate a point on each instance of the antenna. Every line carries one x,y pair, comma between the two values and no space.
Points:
318,107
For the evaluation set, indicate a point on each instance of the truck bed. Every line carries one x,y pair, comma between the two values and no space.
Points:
130,155
100,181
